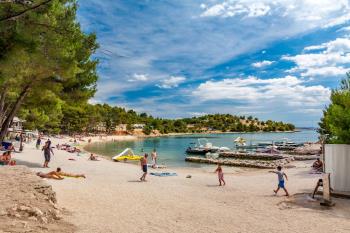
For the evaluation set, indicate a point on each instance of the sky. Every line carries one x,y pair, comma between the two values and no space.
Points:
273,59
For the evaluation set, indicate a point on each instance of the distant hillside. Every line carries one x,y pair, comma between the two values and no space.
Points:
103,118
232,123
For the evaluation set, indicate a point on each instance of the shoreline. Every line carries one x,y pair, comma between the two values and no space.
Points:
111,138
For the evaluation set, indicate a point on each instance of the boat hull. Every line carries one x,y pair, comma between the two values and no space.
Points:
128,157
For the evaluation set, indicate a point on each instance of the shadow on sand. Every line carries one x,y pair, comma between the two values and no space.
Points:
134,181
28,164
304,200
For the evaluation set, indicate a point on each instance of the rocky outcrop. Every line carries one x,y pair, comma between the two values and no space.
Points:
27,204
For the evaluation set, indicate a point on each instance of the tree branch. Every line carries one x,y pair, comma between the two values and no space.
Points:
20,13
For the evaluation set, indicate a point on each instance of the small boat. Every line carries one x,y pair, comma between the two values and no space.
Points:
265,144
287,144
126,155
240,141
248,147
203,147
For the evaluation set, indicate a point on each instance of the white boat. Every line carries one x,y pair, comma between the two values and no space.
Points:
204,146
240,141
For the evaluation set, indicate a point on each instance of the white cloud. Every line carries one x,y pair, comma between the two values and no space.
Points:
139,77
230,9
332,59
262,64
197,114
325,71
314,47
308,11
340,20
172,81
288,90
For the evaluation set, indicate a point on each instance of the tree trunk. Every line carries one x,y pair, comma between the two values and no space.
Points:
13,112
2,104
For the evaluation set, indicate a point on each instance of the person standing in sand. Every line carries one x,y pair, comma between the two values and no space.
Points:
48,142
38,143
47,153
144,167
281,176
220,175
154,158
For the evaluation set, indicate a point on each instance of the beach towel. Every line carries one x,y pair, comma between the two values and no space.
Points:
157,166
163,174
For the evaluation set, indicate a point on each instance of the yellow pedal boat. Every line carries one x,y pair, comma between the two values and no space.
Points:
126,155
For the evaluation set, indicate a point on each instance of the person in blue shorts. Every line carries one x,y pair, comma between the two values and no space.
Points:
281,184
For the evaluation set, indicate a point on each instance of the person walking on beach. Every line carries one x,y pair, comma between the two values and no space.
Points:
38,143
281,176
154,158
47,153
49,142
220,175
144,167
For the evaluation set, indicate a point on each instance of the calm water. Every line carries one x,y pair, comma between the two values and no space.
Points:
171,150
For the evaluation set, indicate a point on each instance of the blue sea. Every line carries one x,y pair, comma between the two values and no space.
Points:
171,149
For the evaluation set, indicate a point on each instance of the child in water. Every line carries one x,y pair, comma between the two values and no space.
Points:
220,174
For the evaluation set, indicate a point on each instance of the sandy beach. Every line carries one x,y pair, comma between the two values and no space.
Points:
111,198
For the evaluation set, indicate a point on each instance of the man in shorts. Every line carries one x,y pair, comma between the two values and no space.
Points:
47,154
144,167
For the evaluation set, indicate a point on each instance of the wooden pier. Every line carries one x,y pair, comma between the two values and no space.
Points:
267,164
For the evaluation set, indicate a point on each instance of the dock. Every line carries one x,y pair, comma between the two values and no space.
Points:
251,156
265,164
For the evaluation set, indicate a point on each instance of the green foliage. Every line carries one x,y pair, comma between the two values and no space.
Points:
147,129
335,123
110,117
45,57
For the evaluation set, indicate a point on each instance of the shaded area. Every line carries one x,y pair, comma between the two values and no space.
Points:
28,164
304,200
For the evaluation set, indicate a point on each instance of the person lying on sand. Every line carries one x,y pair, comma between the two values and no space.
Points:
51,175
5,159
58,175
93,157
318,165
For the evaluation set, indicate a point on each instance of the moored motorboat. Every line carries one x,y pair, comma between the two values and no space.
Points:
203,147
